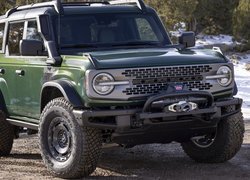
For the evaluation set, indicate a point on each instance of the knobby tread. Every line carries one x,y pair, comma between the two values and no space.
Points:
6,135
227,143
88,146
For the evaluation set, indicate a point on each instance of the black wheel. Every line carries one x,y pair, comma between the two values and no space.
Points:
219,146
68,150
6,135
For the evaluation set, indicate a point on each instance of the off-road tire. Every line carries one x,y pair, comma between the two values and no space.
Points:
227,143
86,143
6,135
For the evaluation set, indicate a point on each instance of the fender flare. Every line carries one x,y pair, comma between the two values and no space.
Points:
235,89
2,103
67,89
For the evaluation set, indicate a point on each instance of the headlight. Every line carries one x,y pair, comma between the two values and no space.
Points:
225,76
101,83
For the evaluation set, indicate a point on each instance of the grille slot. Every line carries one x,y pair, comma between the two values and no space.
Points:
166,71
148,81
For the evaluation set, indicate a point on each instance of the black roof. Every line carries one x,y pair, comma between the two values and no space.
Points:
24,12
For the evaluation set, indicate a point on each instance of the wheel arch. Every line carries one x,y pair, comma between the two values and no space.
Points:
2,103
55,89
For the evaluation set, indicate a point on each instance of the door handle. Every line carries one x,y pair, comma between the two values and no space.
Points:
20,72
2,71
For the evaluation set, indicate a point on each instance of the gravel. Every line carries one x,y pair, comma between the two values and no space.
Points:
153,161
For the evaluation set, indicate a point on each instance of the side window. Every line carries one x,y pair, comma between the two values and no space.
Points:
15,35
32,31
1,35
145,30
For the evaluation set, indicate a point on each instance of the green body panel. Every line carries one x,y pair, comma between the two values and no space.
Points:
22,94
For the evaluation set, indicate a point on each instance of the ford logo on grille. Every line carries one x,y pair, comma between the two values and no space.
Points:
178,87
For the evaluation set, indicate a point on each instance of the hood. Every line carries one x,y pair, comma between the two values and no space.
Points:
154,57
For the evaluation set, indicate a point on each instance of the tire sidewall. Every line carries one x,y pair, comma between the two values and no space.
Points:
76,138
6,135
228,140
219,140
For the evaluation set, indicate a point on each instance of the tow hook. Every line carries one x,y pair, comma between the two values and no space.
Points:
182,106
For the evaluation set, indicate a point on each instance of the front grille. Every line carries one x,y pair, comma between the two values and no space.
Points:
138,83
154,80
166,71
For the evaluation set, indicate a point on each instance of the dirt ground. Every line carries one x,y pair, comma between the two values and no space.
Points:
142,162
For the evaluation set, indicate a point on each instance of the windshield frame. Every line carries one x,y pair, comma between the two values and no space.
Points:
157,24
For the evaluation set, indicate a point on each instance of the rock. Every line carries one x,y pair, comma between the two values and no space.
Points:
236,57
247,67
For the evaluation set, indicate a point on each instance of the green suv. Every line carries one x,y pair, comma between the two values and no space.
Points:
84,74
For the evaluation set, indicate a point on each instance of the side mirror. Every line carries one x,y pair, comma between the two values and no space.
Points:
187,39
31,47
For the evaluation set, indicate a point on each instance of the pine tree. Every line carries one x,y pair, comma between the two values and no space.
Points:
5,5
8,4
241,22
174,11
215,16
25,2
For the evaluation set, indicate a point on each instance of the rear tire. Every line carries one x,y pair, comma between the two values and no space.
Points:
6,135
222,146
68,150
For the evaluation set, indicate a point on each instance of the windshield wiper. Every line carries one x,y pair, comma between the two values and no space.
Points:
137,43
79,46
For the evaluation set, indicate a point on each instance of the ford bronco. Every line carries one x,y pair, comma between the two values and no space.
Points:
84,74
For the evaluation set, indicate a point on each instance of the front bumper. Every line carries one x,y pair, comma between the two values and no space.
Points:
142,125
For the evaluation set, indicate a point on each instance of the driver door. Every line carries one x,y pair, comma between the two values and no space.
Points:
28,72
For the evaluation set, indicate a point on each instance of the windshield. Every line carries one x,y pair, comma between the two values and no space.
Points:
110,30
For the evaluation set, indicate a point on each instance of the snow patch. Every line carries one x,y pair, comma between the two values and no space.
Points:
212,40
242,78
178,29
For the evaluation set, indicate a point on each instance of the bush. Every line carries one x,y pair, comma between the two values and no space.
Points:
215,16
241,24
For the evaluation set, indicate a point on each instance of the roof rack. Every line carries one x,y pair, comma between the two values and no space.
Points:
54,3
86,2
139,3
9,12
58,5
